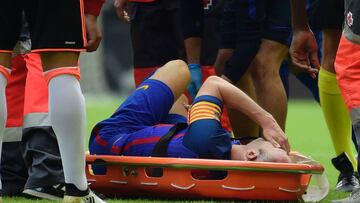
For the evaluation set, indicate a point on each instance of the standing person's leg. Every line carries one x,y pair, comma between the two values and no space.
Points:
347,65
10,23
155,36
59,37
39,144
241,124
329,17
332,103
242,28
266,65
211,40
267,81
192,26
13,169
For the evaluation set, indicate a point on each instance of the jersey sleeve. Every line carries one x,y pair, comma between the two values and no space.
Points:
93,6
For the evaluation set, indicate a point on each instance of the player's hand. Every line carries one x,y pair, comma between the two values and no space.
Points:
120,7
303,51
274,134
93,33
196,76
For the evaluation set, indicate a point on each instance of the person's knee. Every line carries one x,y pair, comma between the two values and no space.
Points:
5,59
212,80
267,62
222,57
52,60
180,64
225,54
175,74
272,52
182,69
263,71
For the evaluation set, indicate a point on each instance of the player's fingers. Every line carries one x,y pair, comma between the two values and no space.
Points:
120,10
274,143
313,72
120,13
284,143
300,62
288,147
126,16
92,45
315,60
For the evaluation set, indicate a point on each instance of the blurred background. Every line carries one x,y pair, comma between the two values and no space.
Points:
109,71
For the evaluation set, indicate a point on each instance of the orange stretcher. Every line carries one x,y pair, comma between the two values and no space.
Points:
181,178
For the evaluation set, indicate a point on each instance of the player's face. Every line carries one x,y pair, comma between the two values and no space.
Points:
265,151
276,155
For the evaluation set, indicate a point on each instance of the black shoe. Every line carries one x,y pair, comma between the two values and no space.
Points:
55,192
347,183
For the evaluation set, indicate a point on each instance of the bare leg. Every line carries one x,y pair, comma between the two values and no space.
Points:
175,74
222,57
178,107
5,59
331,38
193,49
269,88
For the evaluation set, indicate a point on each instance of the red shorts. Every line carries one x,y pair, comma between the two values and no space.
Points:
347,66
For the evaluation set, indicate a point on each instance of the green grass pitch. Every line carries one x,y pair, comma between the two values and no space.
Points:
306,130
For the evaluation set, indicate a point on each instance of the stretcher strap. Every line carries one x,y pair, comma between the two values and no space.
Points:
161,147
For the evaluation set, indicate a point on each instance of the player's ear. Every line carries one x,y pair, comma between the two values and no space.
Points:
251,154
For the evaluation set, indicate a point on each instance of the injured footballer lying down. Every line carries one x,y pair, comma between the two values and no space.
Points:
154,117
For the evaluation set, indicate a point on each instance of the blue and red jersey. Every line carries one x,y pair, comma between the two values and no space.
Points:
143,118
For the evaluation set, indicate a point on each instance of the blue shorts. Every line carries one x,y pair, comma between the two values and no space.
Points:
245,20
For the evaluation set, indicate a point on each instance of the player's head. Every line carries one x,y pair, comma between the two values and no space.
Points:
259,150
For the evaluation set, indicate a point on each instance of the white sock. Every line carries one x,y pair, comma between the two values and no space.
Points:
68,118
3,112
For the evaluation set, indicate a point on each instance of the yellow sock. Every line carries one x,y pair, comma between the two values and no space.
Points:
336,115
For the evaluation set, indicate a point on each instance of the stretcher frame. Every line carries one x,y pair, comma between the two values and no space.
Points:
126,176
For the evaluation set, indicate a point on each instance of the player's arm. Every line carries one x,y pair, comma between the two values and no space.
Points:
234,98
92,10
303,48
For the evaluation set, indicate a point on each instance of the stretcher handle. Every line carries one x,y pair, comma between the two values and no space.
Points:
205,164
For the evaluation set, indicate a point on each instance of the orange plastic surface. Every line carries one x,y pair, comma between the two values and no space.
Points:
127,176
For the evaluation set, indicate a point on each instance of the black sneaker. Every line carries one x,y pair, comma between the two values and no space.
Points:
55,192
347,181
